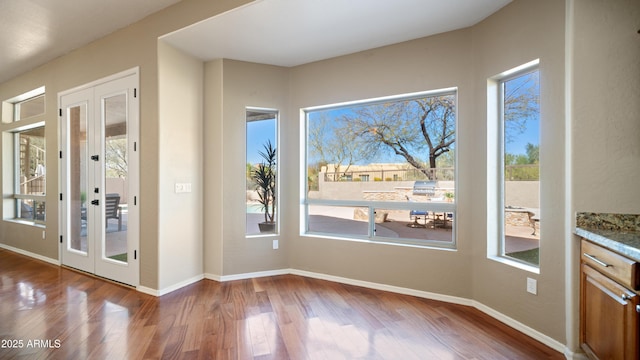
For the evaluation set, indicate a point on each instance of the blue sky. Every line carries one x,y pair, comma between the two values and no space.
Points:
258,132
531,133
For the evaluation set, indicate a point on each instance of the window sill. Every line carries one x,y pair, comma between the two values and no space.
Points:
385,241
515,264
28,223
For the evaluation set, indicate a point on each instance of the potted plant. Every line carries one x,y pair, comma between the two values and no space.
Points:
264,176
449,196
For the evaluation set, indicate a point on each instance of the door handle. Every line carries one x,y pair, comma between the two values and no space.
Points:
95,157
95,202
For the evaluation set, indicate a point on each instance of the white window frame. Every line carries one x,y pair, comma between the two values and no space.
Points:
495,166
276,113
373,205
12,125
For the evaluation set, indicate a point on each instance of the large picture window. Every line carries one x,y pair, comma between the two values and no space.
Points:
383,169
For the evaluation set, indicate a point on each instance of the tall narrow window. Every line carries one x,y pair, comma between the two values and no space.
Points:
30,173
262,172
520,123
24,168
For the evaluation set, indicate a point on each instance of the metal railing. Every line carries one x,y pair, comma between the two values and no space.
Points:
390,175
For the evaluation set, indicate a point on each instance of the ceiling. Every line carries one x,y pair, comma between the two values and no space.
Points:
34,32
294,32
277,32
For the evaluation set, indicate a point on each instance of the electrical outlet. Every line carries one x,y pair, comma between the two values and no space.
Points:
532,286
275,244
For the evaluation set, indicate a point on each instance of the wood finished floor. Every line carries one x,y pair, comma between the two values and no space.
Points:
279,317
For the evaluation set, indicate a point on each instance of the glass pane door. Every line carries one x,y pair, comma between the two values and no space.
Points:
115,178
99,167
77,116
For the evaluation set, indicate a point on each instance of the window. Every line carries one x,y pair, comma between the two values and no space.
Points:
518,96
25,106
262,172
389,146
24,167
30,174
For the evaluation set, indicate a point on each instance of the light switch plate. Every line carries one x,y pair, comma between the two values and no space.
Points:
532,286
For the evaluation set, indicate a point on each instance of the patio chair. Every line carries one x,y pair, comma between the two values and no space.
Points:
112,209
415,215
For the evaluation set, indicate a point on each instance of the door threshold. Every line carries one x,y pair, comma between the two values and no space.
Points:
98,277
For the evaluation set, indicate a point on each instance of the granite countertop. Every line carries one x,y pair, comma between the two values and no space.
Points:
618,232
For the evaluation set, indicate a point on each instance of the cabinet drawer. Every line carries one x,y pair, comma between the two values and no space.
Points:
617,267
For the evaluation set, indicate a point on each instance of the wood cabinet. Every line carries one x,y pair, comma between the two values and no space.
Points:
609,304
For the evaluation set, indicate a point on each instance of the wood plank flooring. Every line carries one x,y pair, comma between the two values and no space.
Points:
49,312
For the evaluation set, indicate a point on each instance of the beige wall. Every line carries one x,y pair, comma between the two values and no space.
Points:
214,209
437,62
606,106
604,157
181,96
132,46
521,32
243,85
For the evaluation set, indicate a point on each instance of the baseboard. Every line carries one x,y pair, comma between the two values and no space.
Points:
550,342
570,355
257,274
177,286
384,287
148,291
30,254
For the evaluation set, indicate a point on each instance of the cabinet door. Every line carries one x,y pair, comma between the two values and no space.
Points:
609,322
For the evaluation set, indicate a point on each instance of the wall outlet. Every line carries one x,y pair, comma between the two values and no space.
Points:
532,286
275,245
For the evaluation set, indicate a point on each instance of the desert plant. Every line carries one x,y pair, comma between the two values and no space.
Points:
264,176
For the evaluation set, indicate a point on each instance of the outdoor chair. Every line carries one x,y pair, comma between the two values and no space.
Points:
415,215
112,209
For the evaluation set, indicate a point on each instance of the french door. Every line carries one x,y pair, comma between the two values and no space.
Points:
99,179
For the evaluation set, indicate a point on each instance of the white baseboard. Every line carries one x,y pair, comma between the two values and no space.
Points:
223,278
570,355
177,286
384,287
552,343
30,254
148,291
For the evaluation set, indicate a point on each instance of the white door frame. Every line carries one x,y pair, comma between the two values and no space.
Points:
91,94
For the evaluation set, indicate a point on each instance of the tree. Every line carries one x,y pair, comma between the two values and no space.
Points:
116,157
521,103
406,128
334,145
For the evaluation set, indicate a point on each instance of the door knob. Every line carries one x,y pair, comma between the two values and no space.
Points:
95,202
